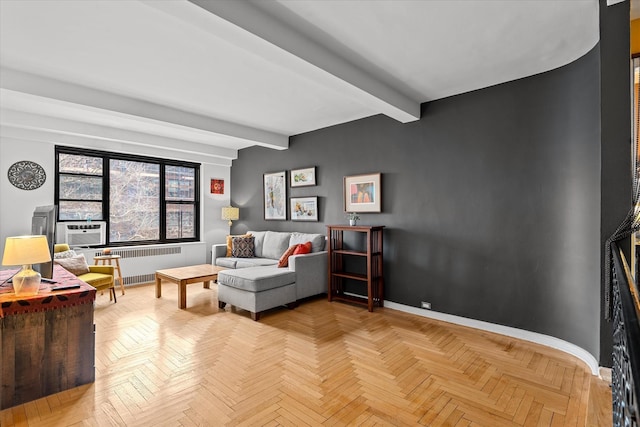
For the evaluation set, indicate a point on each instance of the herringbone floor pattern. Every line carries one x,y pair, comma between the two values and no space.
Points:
320,364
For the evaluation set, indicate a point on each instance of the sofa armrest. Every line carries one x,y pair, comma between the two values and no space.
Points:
102,269
218,251
311,273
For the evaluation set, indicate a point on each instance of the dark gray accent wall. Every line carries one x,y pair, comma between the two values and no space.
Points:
491,201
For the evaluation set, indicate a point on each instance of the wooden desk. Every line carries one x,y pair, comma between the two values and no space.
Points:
183,276
47,340
106,259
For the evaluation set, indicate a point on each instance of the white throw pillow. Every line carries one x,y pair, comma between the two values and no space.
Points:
66,254
75,265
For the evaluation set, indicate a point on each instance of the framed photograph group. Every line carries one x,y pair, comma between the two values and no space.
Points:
275,196
362,193
304,208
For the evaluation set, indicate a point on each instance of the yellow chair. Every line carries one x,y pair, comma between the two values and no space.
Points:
99,276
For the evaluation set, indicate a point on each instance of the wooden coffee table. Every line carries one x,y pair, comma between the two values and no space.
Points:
183,276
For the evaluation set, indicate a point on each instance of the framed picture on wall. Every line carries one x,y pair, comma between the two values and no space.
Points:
217,186
303,177
304,208
275,196
362,193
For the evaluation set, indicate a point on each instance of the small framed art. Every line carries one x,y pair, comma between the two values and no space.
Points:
303,177
304,208
217,186
362,193
275,196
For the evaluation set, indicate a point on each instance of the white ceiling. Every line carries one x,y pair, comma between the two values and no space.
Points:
201,79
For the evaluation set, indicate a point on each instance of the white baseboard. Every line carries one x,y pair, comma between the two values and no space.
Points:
535,337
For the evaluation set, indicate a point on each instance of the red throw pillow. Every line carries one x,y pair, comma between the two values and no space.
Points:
304,248
284,259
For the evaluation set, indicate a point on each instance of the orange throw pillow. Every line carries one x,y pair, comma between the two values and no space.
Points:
303,248
230,241
284,259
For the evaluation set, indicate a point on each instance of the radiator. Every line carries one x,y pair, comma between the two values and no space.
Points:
139,263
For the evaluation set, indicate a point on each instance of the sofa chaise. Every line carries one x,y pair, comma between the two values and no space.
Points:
254,282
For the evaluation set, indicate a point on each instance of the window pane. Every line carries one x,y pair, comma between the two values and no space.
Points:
137,208
79,211
180,183
180,221
80,187
71,163
134,201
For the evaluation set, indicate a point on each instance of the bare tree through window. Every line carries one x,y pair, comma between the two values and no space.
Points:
134,203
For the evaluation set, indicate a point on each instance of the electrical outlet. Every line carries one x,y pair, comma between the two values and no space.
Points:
426,305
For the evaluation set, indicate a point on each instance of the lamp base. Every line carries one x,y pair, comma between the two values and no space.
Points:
26,282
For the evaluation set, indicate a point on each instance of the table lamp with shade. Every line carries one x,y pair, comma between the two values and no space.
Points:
230,213
25,251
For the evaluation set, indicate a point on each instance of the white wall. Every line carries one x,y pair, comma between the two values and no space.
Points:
16,206
213,229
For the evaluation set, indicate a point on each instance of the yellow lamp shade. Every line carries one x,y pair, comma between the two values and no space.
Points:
230,213
22,250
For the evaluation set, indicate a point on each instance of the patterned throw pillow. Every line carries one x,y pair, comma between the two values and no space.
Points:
242,247
230,242
284,259
75,265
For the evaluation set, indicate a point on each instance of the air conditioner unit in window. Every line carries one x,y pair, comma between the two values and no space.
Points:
85,233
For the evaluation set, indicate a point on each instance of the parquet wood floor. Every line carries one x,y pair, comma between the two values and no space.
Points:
324,364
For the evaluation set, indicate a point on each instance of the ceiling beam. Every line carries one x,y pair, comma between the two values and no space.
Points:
372,92
110,137
8,133
45,87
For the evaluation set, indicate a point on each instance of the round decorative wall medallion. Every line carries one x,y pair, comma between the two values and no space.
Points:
26,175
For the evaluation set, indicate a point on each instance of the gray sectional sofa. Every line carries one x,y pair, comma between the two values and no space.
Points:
257,284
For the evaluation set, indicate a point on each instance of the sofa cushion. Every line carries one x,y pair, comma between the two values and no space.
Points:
244,262
256,279
230,241
254,262
284,259
76,265
242,247
258,241
317,240
303,248
227,262
275,243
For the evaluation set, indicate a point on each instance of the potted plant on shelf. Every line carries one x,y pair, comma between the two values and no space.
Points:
353,218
